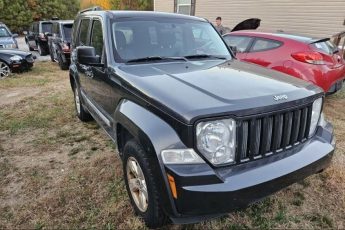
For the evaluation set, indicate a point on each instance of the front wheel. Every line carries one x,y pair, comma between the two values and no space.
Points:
141,185
5,70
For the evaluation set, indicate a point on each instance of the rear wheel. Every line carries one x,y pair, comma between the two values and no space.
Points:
5,70
82,114
141,184
51,55
63,65
41,50
30,48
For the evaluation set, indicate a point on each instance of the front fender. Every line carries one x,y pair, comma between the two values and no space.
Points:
154,135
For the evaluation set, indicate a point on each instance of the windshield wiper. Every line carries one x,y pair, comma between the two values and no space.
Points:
156,58
197,56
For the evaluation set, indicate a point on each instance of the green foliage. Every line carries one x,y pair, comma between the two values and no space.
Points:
19,14
15,14
131,4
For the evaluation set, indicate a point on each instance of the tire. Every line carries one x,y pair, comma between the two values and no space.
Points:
63,65
5,70
30,48
51,56
151,213
41,51
82,114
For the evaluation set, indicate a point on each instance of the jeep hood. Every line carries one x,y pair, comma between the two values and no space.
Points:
192,90
12,52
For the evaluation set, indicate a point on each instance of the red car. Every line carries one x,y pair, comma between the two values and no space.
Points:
316,60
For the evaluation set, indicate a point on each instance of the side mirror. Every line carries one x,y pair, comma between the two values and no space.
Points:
233,49
14,35
86,55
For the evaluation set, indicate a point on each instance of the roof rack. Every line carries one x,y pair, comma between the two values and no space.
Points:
94,8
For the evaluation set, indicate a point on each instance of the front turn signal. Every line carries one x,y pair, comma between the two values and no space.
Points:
172,185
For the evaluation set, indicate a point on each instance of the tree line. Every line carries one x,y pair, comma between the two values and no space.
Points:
19,14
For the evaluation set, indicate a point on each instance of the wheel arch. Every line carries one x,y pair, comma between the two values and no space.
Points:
153,134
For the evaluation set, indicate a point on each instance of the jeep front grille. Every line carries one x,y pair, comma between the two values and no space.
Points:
270,134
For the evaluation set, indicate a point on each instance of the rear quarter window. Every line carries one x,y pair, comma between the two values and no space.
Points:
326,47
265,44
240,42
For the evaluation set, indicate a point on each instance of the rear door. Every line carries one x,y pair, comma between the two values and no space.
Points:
242,44
264,52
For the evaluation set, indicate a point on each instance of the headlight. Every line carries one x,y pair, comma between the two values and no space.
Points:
11,46
181,156
16,58
317,105
216,140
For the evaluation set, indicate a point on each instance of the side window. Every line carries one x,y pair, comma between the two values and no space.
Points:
240,42
264,44
83,30
97,37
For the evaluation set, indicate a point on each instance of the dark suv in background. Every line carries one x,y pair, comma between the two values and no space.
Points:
59,42
37,36
199,132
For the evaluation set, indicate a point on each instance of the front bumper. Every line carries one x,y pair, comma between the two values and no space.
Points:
23,65
204,191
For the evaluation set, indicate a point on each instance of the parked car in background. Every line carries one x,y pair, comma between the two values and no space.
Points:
199,133
315,60
59,43
37,36
7,39
15,61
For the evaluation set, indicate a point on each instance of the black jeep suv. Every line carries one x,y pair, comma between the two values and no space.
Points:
59,42
199,132
37,36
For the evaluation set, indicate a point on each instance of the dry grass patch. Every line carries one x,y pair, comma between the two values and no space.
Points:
56,172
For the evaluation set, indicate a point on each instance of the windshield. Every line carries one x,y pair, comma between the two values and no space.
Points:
47,27
4,32
140,38
67,30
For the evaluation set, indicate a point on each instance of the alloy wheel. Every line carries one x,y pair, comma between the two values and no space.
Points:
137,184
4,70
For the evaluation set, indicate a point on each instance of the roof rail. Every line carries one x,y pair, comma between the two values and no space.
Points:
94,8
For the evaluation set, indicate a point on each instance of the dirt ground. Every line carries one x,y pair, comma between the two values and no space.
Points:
57,172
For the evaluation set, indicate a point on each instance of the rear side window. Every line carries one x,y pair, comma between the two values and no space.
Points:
47,27
84,28
97,37
240,42
264,44
55,29
67,30
326,47
4,32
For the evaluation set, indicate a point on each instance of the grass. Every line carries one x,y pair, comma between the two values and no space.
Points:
56,172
